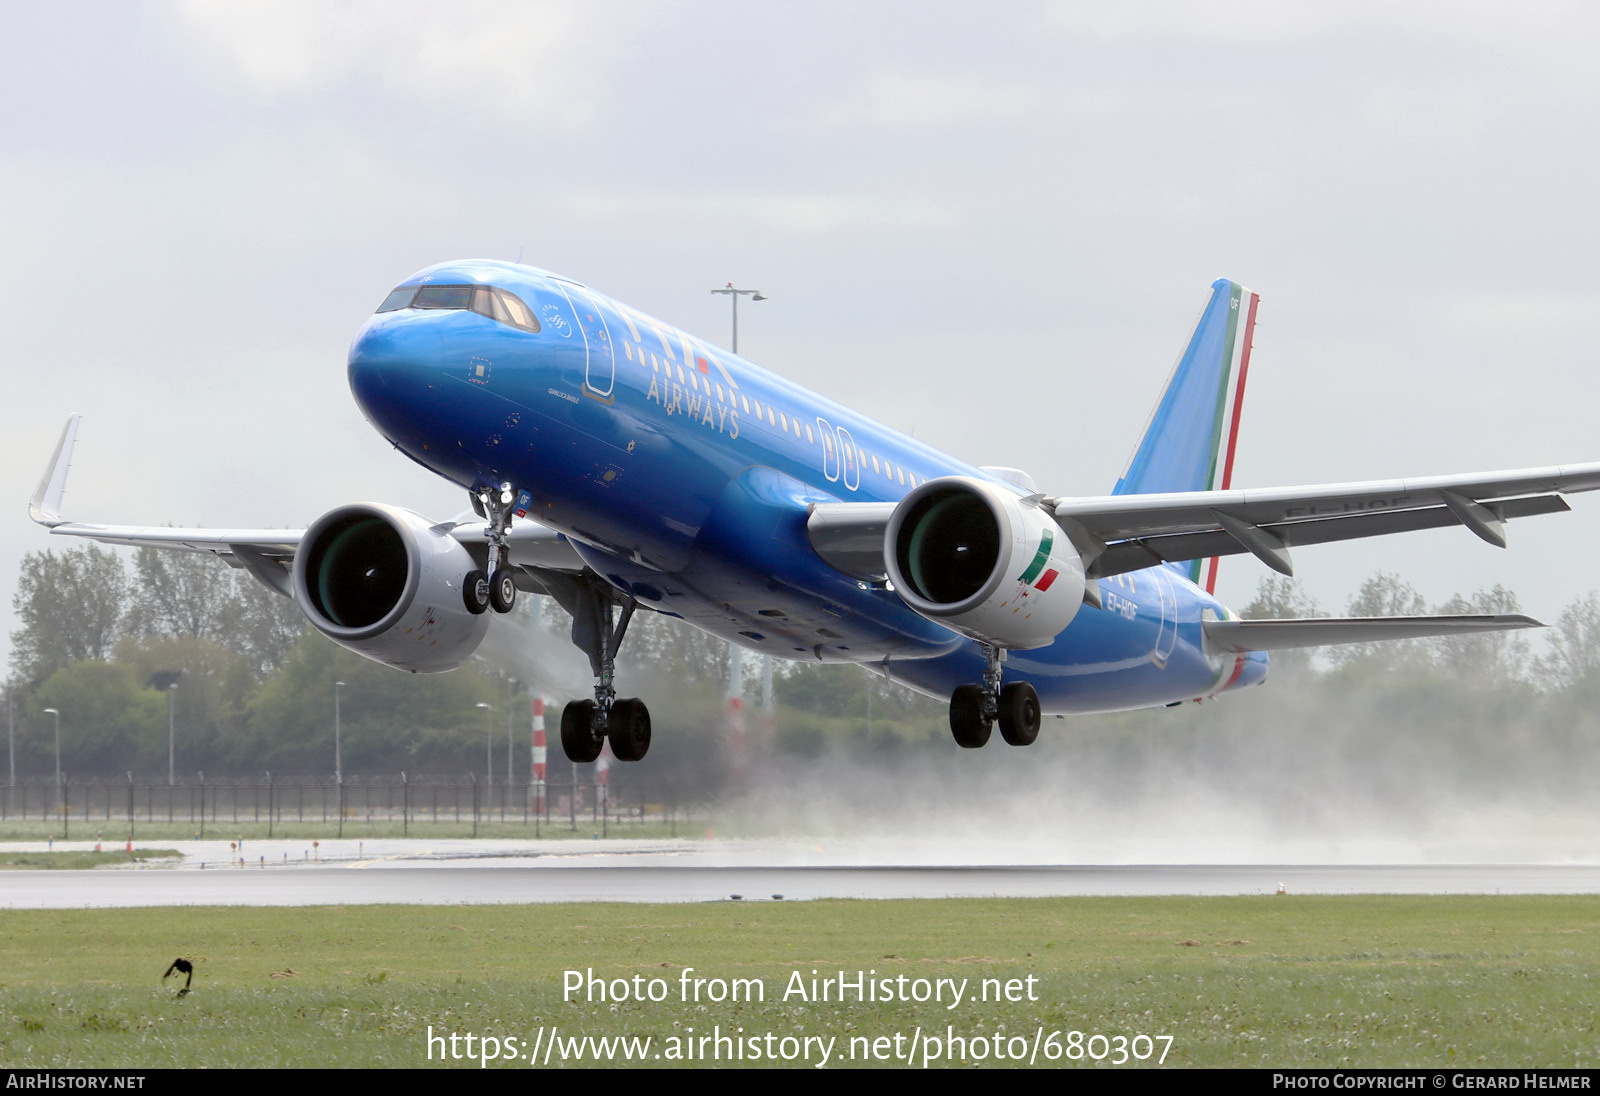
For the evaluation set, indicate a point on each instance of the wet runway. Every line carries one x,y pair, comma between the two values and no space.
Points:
499,872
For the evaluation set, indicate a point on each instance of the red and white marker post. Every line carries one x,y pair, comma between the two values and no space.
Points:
538,755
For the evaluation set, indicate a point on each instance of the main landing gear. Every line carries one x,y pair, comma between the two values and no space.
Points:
586,724
974,709
494,589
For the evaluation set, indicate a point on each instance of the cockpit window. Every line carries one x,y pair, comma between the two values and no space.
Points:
444,296
486,300
400,298
521,314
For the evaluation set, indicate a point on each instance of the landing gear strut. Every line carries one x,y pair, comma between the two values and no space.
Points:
585,724
974,709
495,589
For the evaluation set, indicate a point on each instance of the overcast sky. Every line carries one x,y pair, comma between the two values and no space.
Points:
992,224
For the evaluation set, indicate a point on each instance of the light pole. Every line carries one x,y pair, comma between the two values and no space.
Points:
488,741
57,714
172,772
338,754
734,293
164,681
730,291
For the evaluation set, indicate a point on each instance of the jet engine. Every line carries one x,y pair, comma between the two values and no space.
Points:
387,584
976,558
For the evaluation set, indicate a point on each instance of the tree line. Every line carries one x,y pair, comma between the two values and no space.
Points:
99,635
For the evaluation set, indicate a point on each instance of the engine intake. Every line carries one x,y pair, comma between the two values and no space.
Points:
974,557
386,583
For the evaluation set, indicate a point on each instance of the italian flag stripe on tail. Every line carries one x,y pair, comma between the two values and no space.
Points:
1230,404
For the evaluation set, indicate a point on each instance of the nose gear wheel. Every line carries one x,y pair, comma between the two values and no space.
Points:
475,591
499,588
502,590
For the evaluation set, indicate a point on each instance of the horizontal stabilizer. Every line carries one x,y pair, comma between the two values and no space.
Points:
1277,635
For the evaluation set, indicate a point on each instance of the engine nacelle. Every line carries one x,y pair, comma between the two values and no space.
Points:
386,584
976,558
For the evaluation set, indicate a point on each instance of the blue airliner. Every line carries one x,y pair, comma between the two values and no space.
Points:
617,463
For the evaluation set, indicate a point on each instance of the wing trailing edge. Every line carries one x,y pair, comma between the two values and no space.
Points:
1132,532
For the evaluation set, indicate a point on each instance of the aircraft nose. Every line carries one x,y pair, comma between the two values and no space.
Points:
392,363
386,353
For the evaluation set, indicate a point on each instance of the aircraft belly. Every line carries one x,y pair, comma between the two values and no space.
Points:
1143,650
753,578
633,496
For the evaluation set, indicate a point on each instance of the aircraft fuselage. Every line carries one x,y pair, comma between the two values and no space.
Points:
682,474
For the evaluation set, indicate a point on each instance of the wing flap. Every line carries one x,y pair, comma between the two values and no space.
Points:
1278,635
1123,517
1142,552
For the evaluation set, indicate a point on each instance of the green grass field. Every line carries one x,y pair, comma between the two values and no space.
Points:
51,860
1258,981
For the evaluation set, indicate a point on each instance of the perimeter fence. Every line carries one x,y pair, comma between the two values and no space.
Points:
400,801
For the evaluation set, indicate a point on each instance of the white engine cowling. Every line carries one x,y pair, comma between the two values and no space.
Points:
974,557
385,583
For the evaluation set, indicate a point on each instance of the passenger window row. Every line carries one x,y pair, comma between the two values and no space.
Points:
781,420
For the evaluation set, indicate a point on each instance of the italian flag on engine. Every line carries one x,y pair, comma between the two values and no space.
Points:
1037,575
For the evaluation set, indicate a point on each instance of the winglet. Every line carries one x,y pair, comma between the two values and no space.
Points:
45,506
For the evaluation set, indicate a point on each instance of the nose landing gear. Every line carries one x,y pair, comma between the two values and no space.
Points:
974,709
495,589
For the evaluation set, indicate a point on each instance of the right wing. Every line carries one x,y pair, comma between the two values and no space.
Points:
268,554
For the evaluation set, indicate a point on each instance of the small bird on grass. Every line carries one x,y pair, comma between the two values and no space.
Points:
184,967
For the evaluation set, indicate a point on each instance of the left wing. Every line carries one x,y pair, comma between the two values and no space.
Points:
1117,533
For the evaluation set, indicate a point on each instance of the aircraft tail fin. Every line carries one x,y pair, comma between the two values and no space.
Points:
1190,440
